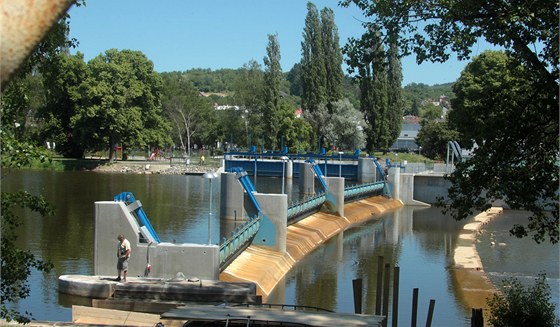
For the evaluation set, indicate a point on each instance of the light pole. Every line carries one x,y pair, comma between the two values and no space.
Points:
340,164
210,176
284,158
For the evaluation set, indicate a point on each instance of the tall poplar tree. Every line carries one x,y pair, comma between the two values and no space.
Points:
272,79
366,58
394,91
313,73
333,57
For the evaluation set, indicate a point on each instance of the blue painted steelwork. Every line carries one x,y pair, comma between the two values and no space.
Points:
247,185
239,239
269,163
457,152
258,229
305,207
364,189
318,173
128,198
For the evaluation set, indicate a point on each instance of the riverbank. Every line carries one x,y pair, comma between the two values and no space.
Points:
471,283
154,167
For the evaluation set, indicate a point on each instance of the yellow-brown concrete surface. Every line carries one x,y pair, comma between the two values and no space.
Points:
266,267
471,283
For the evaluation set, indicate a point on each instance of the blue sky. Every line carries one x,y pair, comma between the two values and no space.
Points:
181,35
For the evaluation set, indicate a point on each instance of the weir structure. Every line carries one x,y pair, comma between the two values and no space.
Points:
267,227
265,218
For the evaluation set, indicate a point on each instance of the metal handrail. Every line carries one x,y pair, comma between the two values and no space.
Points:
359,190
307,205
294,307
238,239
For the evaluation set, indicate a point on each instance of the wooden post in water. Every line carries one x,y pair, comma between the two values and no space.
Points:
395,312
357,288
430,313
386,292
379,285
477,319
414,307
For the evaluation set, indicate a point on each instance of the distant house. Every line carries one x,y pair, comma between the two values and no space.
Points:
225,107
407,138
298,113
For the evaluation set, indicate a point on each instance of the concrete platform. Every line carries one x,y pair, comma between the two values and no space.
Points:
103,287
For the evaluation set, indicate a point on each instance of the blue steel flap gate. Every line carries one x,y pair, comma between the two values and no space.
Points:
136,208
266,234
329,200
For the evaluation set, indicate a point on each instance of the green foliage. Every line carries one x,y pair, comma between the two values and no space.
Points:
120,103
433,138
366,58
16,264
62,84
249,96
528,28
294,77
430,111
394,92
517,130
313,70
415,94
191,115
16,154
217,81
523,307
513,120
333,56
341,127
271,91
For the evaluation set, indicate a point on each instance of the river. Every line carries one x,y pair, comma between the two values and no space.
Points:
419,241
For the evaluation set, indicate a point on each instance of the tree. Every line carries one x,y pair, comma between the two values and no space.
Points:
522,306
333,57
434,137
272,80
348,124
120,103
294,77
518,162
313,72
62,83
394,91
526,28
514,124
366,58
189,113
343,127
16,263
431,112
248,95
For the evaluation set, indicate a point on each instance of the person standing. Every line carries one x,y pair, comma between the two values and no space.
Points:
123,254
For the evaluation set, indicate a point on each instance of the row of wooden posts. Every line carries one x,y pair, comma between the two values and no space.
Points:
382,298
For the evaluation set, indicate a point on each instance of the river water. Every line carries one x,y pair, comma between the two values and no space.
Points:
419,241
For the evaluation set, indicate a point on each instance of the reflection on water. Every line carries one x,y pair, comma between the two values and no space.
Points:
419,241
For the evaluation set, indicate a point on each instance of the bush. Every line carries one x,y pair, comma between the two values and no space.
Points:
520,306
